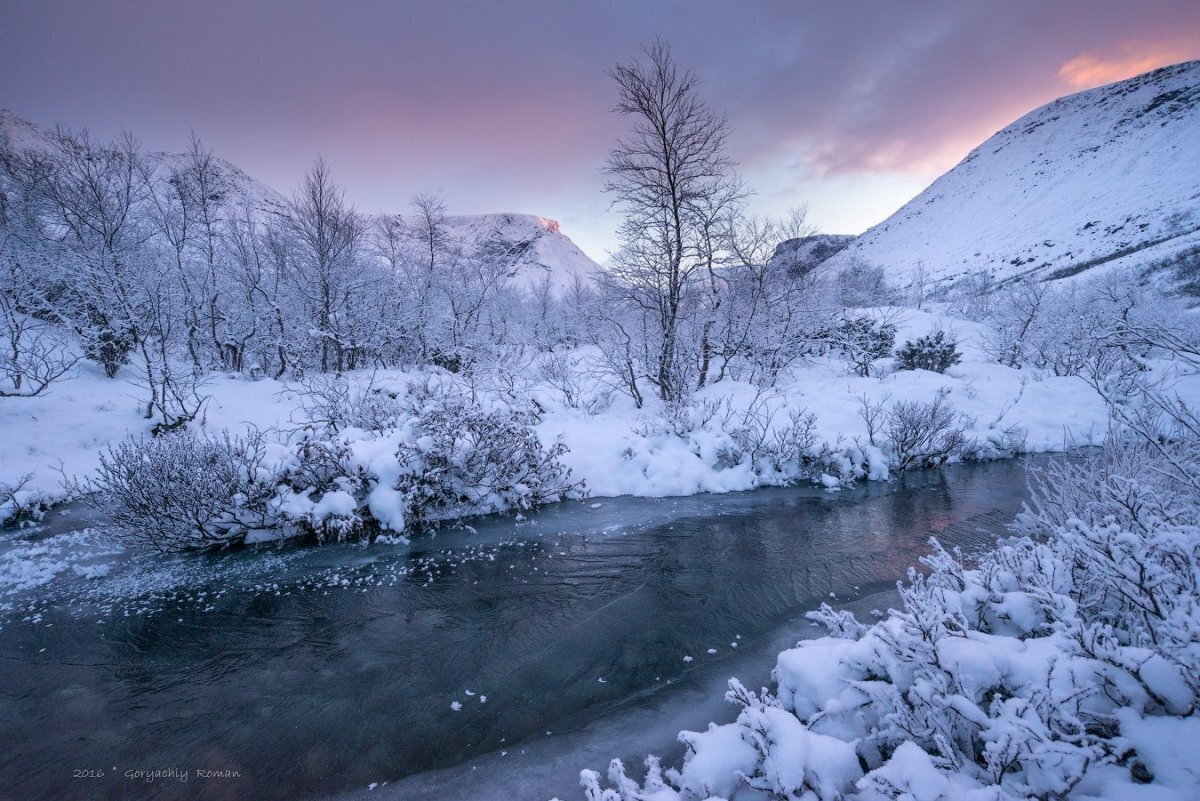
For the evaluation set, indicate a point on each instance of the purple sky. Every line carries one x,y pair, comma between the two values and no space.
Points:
851,108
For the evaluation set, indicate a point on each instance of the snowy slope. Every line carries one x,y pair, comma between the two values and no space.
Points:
534,246
538,250
238,187
801,255
1080,182
18,132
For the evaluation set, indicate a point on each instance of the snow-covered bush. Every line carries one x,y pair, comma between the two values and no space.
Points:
183,491
323,488
35,353
451,459
860,284
930,352
463,460
863,340
102,343
779,447
973,296
923,433
998,443
1066,329
989,683
20,505
685,416
1126,523
575,381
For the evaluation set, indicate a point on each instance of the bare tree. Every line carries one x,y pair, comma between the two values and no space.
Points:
191,212
674,182
327,234
34,351
92,198
769,315
434,253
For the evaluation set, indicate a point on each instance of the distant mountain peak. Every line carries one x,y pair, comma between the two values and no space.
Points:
540,254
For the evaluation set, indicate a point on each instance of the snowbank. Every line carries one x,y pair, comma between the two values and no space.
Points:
618,450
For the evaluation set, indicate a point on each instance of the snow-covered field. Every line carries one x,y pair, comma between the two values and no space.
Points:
620,450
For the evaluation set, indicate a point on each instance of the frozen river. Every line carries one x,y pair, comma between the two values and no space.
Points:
494,662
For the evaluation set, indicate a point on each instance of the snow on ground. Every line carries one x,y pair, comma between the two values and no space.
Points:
620,451
617,459
64,430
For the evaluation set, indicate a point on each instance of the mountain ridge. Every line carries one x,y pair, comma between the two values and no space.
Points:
1090,179
541,256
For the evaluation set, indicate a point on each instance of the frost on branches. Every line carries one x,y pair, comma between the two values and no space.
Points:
1065,664
419,460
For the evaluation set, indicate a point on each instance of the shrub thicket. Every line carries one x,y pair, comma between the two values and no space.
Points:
453,459
465,460
182,491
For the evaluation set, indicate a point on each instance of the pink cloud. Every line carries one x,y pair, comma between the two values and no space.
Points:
1096,69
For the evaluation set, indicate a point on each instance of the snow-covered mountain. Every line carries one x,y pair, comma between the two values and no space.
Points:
18,132
801,255
534,247
1108,174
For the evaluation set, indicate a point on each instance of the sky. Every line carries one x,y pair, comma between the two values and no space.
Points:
848,108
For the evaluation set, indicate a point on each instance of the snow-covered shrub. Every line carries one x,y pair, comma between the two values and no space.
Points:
574,381
968,687
1068,337
999,443
463,460
685,416
1068,329
930,352
452,360
761,436
20,505
773,447
861,285
374,408
1015,312
35,354
183,491
923,433
976,688
974,296
103,343
323,488
862,340
1127,524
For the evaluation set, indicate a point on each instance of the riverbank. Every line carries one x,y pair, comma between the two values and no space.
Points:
719,442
